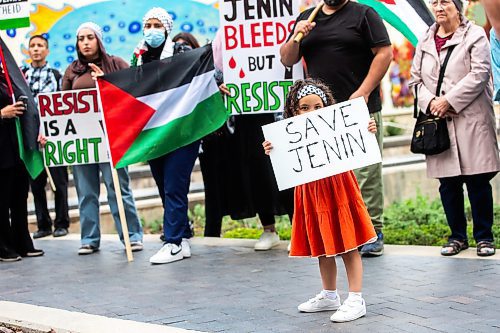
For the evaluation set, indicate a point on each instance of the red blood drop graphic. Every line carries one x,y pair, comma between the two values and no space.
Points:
242,73
232,63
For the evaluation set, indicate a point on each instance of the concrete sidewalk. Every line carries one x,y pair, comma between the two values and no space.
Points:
227,287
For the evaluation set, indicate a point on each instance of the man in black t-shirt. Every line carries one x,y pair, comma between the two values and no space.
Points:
347,46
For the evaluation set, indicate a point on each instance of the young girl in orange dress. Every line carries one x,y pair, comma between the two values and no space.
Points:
330,218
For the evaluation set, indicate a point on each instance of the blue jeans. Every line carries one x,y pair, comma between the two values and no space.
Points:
481,202
88,186
172,174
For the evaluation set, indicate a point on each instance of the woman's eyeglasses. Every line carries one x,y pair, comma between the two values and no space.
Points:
443,3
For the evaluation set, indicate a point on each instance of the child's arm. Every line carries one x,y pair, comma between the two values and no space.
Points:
372,125
267,147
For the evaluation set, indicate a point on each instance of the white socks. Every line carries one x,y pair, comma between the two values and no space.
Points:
330,294
356,297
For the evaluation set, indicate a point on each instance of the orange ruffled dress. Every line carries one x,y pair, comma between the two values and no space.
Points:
330,217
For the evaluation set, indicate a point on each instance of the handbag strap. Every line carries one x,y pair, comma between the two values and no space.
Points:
443,68
440,81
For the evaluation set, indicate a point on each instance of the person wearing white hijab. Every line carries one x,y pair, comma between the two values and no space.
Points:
172,171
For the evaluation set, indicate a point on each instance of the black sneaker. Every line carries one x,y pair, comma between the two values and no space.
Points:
374,249
60,232
42,233
8,255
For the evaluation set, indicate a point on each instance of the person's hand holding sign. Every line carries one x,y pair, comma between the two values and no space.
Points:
224,90
267,147
96,71
42,140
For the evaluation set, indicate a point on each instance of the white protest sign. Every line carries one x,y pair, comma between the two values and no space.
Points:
322,143
253,31
71,122
14,14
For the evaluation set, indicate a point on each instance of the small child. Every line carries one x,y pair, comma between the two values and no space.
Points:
330,218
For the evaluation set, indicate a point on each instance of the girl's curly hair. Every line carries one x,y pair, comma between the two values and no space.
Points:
292,104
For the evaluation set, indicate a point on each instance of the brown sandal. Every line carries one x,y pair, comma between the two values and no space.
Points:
455,246
485,249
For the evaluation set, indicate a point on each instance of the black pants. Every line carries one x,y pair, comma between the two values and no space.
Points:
60,177
14,231
481,201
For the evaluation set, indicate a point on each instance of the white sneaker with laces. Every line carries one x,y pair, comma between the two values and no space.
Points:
350,310
186,248
267,241
320,303
168,253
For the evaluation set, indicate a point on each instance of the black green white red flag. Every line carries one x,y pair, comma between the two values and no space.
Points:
27,126
156,108
410,17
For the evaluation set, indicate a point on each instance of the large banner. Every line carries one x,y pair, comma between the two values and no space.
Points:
71,122
322,143
14,14
253,32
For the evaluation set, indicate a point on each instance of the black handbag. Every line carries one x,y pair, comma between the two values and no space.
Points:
430,135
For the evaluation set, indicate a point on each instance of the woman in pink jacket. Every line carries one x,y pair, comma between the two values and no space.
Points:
466,102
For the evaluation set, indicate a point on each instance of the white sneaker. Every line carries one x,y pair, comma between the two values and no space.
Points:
350,310
288,248
267,241
136,246
168,253
186,248
320,303
87,249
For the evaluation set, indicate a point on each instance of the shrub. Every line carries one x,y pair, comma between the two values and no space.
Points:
415,221
391,130
420,221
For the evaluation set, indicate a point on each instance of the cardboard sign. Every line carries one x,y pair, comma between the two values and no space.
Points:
322,143
71,122
14,14
253,31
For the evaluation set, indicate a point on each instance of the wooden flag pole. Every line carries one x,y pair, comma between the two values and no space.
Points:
116,184
121,211
51,180
311,18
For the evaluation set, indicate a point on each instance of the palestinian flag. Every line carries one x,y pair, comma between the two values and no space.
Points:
14,14
156,108
410,17
28,125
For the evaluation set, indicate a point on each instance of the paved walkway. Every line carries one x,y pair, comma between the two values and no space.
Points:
231,288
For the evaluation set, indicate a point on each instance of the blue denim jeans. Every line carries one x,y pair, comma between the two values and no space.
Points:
481,202
172,174
88,186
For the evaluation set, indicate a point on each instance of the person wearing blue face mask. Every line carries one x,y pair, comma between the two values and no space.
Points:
172,171
156,44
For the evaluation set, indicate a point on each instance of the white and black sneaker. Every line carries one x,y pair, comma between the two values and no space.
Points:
136,246
168,253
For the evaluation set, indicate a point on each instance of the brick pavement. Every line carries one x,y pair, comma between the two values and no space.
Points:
234,289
